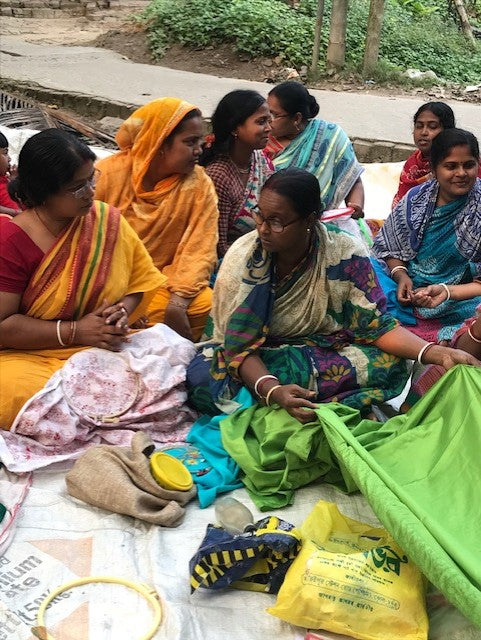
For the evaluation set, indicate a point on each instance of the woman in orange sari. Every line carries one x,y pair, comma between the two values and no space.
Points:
171,203
73,274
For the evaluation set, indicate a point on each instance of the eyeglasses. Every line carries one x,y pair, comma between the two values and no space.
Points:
83,191
274,225
276,116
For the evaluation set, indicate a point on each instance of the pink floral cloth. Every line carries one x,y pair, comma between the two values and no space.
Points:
100,397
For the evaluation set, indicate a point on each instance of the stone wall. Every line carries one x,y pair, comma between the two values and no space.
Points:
51,8
98,108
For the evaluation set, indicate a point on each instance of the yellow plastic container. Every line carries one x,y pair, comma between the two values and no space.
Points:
169,472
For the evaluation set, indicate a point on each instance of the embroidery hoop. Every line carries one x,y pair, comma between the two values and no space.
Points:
130,390
152,597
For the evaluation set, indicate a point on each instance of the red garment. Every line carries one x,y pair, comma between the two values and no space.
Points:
5,199
417,169
19,257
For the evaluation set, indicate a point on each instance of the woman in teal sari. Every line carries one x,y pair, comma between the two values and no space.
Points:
431,243
300,140
299,316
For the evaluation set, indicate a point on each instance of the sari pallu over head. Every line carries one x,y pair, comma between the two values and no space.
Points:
177,219
98,257
323,149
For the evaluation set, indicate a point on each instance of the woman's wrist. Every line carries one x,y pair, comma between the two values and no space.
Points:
434,355
179,302
66,332
269,399
267,386
399,272
263,384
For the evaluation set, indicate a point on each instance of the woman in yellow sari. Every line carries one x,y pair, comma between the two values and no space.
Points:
73,273
171,203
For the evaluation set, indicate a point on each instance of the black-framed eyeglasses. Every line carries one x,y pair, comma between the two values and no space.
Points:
274,224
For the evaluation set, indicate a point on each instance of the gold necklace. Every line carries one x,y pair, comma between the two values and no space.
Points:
55,235
241,169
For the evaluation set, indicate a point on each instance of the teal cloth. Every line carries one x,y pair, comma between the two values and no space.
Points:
222,474
420,472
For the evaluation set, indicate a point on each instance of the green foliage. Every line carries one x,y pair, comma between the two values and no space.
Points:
418,8
415,33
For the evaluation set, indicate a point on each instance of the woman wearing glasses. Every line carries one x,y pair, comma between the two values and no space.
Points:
300,140
73,273
299,316
233,159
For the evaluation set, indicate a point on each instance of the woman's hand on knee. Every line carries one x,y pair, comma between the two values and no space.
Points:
177,319
296,401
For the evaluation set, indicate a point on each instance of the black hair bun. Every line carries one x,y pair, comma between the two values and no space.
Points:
313,107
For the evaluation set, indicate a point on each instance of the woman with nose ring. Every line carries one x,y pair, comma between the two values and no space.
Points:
171,203
233,159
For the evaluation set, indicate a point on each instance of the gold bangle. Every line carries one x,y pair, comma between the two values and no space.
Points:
269,393
73,330
144,590
470,334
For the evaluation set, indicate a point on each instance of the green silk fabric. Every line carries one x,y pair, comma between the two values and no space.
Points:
420,472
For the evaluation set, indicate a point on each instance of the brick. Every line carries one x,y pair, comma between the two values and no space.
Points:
43,13
6,11
77,11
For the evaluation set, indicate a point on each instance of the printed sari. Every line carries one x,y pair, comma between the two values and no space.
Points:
98,257
323,149
315,329
425,376
176,220
416,170
236,201
438,244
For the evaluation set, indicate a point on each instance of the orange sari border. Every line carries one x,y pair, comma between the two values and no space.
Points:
79,262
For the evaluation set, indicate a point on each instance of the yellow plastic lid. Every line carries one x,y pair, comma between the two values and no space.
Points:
169,472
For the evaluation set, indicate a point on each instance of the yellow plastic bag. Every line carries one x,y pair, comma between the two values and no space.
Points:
352,579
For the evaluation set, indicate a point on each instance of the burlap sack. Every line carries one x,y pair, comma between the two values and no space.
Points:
119,479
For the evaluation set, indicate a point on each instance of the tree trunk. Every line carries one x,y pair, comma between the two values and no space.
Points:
373,35
465,26
317,39
336,50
